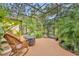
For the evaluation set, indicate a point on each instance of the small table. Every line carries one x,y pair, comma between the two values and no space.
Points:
30,39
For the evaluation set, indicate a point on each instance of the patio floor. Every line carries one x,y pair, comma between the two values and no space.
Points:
47,47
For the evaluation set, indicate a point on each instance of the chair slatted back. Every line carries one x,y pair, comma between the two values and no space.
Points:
14,40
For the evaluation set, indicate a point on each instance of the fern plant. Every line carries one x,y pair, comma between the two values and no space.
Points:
1,33
3,13
68,30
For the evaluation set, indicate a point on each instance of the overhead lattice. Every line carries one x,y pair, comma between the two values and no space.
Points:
53,10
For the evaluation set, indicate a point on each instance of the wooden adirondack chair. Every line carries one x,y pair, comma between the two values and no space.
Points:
16,43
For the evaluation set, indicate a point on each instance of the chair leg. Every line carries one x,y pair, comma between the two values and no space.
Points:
10,53
26,51
19,51
14,52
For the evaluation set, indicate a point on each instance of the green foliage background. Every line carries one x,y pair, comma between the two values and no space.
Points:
68,30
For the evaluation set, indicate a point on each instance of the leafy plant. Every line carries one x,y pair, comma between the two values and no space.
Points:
68,30
33,27
3,13
1,34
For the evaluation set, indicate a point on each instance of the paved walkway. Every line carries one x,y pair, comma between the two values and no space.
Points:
47,47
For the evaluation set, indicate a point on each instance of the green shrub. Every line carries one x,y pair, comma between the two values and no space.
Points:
68,30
